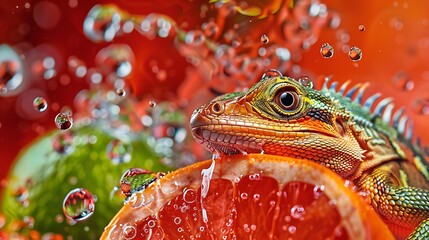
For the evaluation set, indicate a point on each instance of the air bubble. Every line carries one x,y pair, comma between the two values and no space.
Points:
421,106
129,232
291,229
244,196
78,205
264,39
177,220
194,38
64,121
272,73
40,104
318,191
361,28
297,211
120,92
11,70
402,81
119,151
355,54
189,195
103,23
152,103
326,50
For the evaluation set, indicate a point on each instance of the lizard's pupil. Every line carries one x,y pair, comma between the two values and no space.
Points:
287,99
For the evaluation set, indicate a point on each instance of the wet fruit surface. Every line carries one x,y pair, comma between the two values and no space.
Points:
250,197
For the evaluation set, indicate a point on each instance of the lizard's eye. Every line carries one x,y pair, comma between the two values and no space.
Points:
288,99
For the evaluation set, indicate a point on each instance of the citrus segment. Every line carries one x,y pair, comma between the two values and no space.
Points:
252,196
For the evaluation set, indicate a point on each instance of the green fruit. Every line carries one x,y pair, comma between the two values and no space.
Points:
48,176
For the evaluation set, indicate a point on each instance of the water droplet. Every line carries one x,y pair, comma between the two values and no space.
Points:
29,221
327,51
355,54
152,103
421,106
78,205
11,70
120,92
103,23
305,81
264,39
210,29
272,73
402,81
63,143
64,121
297,211
291,229
177,220
40,104
129,232
189,195
361,28
136,179
119,151
21,195
194,38
244,196
116,58
256,197
318,190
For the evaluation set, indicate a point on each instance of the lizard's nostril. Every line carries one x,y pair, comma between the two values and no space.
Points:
217,108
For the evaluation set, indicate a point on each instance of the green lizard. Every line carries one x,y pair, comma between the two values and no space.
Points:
282,116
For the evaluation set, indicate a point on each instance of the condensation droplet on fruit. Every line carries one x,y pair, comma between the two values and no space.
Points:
177,220
264,39
271,73
326,50
297,211
189,195
421,106
64,121
129,232
256,197
355,54
318,191
255,177
119,151
361,28
40,104
78,205
291,229
244,196
305,81
403,81
11,70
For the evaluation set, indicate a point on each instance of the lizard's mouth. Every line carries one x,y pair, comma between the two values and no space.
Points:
224,143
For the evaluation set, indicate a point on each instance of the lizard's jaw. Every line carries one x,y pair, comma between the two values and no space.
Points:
220,143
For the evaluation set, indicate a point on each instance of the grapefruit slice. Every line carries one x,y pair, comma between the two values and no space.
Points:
254,196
